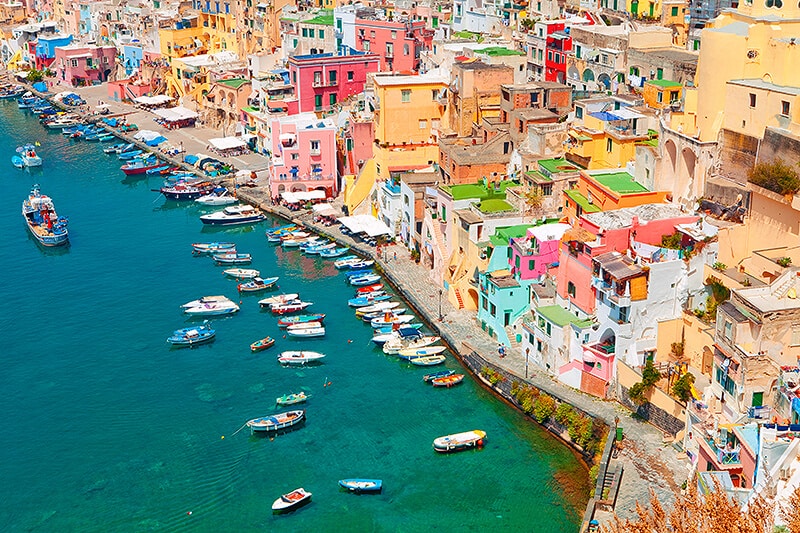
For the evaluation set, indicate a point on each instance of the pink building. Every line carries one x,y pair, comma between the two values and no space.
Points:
536,252
399,43
303,155
606,231
79,65
323,80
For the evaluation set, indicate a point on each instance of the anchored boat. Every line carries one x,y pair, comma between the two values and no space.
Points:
460,441
44,224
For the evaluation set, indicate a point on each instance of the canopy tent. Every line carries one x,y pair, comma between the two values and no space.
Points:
227,143
367,224
159,99
324,210
302,196
174,114
146,135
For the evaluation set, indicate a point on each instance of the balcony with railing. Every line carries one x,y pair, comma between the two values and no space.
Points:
320,83
724,456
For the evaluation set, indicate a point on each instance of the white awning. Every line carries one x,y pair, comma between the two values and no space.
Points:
146,135
158,99
302,196
366,224
173,114
325,210
227,143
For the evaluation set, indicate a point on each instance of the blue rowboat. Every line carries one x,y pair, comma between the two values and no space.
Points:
130,154
427,378
361,485
17,161
364,280
363,301
357,273
286,321
336,252
360,265
409,329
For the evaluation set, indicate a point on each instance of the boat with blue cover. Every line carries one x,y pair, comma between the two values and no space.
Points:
232,258
357,274
17,161
44,224
130,154
193,335
361,485
365,301
287,321
427,378
385,330
257,284
367,279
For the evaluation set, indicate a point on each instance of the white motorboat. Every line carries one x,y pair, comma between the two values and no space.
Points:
219,196
377,308
299,357
306,329
234,214
291,500
210,305
389,320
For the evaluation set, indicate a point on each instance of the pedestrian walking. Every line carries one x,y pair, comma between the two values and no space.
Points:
501,349
395,256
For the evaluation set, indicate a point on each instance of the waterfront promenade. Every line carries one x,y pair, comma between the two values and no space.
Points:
648,462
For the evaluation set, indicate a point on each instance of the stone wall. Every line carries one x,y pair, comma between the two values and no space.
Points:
738,154
656,416
778,144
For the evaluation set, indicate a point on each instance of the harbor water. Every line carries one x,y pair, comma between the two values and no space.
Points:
108,428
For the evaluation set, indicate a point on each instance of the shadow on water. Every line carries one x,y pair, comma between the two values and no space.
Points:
233,230
271,435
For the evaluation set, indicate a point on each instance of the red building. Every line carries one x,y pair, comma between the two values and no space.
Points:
323,80
559,45
399,43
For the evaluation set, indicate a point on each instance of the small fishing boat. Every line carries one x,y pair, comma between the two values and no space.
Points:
192,336
17,161
276,422
129,154
289,307
460,441
361,485
428,360
115,148
44,224
183,190
420,352
140,166
29,156
316,250
377,307
280,229
241,273
291,399
389,329
157,170
233,215
357,265
369,317
367,301
427,378
262,344
368,279
368,289
298,243
391,319
394,346
345,262
299,357
357,274
287,321
278,299
306,330
396,331
219,196
291,501
213,247
334,252
446,381
233,259
257,284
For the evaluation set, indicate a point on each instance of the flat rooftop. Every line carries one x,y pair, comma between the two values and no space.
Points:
619,182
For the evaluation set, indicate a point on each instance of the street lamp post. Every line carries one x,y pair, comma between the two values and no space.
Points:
440,305
527,353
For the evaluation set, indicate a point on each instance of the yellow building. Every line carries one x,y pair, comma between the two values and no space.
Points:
605,133
760,40
659,94
408,119
646,9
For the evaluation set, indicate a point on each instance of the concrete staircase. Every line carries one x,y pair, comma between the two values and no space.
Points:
512,339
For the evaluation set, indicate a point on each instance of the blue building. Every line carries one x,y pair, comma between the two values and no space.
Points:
46,48
131,57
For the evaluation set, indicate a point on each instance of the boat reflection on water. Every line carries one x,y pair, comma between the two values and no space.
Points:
270,435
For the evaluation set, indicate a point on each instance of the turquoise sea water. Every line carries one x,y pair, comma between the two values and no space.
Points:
107,428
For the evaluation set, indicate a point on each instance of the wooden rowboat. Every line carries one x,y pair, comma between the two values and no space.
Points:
291,399
460,441
361,485
276,422
448,381
262,344
428,360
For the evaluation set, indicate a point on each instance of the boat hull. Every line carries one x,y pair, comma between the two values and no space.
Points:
276,422
460,441
359,485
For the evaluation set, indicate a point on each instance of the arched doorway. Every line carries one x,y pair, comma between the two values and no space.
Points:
672,154
573,74
588,75
689,162
604,80
473,298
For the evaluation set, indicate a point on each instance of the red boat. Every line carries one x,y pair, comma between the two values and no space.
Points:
285,309
139,168
361,291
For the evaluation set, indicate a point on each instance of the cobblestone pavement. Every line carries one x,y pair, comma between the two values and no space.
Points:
649,463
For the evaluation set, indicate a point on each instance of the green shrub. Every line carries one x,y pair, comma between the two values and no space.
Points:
682,388
776,176
564,413
544,407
